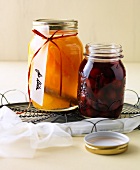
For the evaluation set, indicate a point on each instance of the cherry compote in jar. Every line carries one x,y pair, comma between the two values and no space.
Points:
101,81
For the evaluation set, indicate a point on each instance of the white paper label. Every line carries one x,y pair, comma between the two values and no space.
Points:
38,74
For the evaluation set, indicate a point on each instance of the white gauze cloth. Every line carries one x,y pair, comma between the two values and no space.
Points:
21,139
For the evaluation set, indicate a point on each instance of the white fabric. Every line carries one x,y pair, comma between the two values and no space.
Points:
123,125
20,139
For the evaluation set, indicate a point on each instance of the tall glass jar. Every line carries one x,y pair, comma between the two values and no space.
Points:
54,55
101,81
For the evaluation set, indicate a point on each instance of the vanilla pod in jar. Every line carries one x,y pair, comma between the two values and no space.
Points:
101,81
54,55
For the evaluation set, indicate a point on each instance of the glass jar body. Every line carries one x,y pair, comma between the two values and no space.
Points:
101,87
64,56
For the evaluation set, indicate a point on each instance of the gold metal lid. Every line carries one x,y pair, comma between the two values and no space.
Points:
57,24
106,143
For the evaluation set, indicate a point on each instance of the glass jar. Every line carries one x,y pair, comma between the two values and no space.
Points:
101,81
54,55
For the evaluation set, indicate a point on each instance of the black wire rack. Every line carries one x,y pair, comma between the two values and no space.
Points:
31,114
35,116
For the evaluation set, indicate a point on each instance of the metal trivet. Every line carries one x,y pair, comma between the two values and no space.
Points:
35,116
129,110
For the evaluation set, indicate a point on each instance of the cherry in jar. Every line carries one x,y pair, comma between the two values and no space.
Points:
101,81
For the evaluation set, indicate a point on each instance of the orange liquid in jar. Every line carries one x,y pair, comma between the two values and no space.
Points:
61,80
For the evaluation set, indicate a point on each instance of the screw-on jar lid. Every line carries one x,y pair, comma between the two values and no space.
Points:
103,50
57,24
106,142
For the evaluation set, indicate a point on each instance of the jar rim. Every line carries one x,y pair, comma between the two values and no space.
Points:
57,24
105,50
